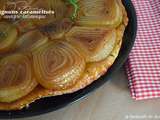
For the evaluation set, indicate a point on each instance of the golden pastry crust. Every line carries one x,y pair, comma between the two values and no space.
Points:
92,72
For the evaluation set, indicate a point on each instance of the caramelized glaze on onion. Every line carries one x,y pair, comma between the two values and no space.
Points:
58,6
57,30
30,41
96,42
24,26
58,65
2,6
16,78
8,36
100,13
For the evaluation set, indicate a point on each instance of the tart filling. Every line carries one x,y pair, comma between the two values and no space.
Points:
60,54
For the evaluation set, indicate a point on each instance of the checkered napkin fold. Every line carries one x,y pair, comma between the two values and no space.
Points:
143,65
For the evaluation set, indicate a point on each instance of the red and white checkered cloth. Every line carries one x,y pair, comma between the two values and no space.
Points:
143,65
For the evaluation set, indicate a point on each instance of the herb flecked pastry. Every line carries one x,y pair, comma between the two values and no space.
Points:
61,54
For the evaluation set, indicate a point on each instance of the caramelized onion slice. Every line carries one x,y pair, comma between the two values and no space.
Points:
96,42
58,65
30,41
8,36
16,78
100,13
